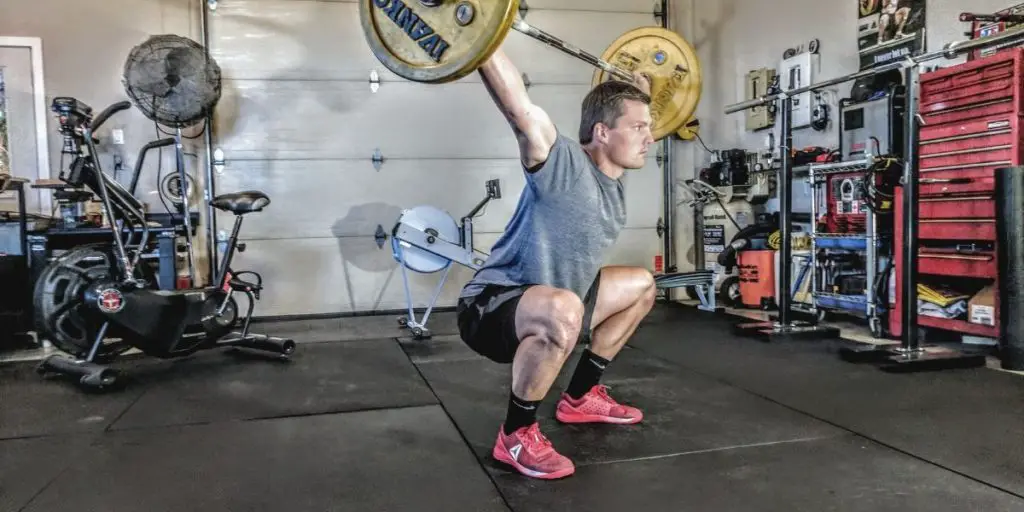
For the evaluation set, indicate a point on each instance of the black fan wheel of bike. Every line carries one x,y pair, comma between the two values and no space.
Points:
172,80
60,311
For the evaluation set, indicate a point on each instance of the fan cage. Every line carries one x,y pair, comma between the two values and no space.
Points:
175,101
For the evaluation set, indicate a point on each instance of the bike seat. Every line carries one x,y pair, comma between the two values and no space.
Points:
241,203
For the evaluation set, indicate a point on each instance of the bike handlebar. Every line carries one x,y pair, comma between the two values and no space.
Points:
107,113
142,158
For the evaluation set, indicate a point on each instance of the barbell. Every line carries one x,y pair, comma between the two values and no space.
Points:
440,41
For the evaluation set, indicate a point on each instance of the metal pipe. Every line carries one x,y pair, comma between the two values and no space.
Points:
785,211
950,51
864,162
179,163
910,212
763,100
669,187
813,264
210,191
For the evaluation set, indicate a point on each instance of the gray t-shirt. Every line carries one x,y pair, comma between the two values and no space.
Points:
568,214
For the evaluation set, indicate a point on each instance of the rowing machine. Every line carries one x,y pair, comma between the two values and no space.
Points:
426,240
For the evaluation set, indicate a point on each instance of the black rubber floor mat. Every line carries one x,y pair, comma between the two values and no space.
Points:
970,421
402,459
35,406
839,473
683,412
27,466
438,349
353,328
320,378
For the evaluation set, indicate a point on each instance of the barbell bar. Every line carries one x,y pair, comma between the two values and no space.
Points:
523,27
440,41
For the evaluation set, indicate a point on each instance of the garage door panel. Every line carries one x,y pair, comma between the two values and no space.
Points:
635,247
645,6
324,198
332,119
327,198
305,40
644,196
291,39
622,6
341,275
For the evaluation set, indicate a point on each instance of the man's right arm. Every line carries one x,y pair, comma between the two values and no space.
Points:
533,128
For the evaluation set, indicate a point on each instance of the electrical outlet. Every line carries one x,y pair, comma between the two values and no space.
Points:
117,136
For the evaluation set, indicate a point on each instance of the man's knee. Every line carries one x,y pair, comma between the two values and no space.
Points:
650,288
551,314
643,285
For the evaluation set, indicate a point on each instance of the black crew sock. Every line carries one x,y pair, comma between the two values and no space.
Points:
521,413
588,374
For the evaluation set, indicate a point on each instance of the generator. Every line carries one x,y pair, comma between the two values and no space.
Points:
844,196
873,126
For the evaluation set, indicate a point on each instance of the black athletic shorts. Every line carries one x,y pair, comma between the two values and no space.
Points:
487,322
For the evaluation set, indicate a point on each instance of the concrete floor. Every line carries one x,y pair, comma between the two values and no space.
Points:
365,418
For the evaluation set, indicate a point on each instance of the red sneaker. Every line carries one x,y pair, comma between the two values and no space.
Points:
531,454
596,407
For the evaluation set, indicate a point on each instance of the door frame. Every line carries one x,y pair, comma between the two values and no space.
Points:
35,47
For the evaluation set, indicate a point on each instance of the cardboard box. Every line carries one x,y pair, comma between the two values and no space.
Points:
981,309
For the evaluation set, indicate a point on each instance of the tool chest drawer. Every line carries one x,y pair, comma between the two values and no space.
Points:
983,81
976,207
956,265
992,156
959,180
987,132
966,229
942,117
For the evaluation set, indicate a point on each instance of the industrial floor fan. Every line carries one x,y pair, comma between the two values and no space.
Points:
174,83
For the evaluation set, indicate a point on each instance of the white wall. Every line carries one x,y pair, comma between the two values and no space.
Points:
735,36
85,60
85,44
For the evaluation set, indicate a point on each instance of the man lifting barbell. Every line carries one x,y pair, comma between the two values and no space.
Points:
543,288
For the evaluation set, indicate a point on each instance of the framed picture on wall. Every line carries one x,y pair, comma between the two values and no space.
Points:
889,30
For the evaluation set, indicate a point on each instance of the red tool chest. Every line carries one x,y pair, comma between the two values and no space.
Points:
971,125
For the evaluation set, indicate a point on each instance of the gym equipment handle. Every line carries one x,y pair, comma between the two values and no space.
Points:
556,43
111,110
142,158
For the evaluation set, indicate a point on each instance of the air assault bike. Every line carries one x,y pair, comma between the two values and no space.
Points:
93,295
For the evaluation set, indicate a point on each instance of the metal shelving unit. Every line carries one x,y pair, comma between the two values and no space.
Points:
865,304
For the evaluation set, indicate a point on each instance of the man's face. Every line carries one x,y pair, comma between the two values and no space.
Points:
629,139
